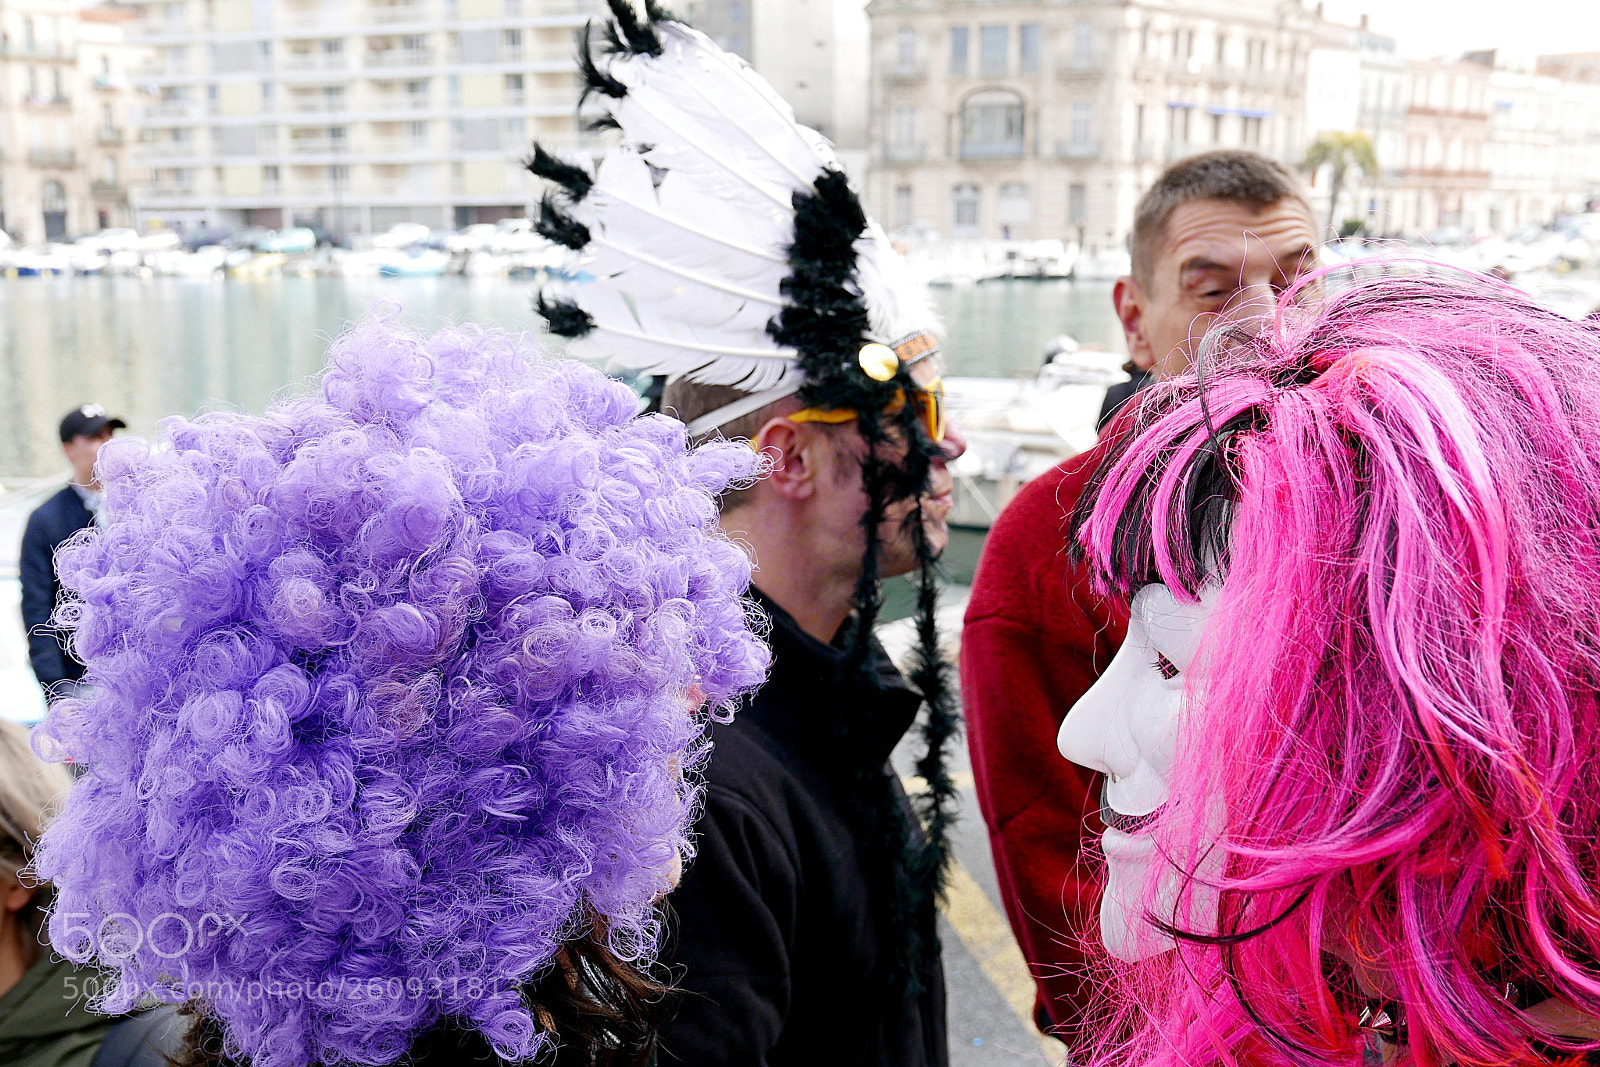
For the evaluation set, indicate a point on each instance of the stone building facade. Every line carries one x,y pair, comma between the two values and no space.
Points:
1032,119
354,115
65,101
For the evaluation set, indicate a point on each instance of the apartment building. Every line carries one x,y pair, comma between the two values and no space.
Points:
1027,119
1357,81
354,115
65,99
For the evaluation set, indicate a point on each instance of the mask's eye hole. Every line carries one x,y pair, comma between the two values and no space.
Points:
1164,667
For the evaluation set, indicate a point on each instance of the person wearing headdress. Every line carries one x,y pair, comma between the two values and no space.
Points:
392,695
719,242
1351,745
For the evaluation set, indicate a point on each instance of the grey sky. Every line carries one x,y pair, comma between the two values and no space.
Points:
1449,27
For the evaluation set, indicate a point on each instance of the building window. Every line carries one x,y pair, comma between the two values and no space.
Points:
1216,129
453,90
1138,122
1083,42
1178,124
958,49
992,125
906,50
1077,197
1082,122
1144,39
417,132
1028,48
514,92
902,207
511,45
1015,206
905,125
964,215
1222,49
992,47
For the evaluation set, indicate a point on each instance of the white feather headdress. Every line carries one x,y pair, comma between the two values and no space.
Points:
686,231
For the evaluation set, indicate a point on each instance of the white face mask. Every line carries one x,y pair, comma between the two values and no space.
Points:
1126,727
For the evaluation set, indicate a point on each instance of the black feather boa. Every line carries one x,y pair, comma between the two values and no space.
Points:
827,324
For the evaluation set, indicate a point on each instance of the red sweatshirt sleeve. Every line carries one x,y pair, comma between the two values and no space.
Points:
1035,639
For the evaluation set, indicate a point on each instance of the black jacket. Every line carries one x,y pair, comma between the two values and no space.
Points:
780,950
50,524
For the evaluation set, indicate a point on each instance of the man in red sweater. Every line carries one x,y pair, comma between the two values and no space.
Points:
1217,239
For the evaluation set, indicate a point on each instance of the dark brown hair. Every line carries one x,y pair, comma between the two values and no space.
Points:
1229,174
602,1011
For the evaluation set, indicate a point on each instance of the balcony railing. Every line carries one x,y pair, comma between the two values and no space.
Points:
109,135
993,150
49,101
904,73
384,13
1079,68
315,61
396,102
316,104
168,148
904,153
398,57
1077,149
114,191
409,187
390,146
24,50
171,109
169,191
317,145
52,157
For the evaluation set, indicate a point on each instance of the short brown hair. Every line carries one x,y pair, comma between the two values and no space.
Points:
686,401
1229,174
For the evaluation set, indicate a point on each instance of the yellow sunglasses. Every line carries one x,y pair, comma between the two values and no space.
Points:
929,402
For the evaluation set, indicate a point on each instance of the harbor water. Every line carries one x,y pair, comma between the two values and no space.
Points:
151,348
147,349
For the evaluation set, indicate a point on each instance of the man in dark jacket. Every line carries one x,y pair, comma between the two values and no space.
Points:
786,924
83,430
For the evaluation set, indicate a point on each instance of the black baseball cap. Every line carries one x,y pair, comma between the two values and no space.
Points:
88,420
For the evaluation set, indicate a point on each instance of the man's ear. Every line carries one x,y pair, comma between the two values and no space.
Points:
14,896
1129,298
790,450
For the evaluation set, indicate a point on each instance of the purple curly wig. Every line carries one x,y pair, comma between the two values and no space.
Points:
1396,716
390,695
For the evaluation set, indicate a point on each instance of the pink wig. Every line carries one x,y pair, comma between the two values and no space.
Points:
1391,779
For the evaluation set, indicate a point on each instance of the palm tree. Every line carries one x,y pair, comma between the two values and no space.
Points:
1340,151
